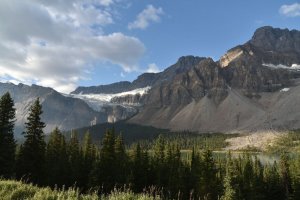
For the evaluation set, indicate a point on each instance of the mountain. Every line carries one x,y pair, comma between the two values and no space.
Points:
142,81
252,87
59,110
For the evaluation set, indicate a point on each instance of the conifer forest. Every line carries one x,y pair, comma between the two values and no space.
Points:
162,169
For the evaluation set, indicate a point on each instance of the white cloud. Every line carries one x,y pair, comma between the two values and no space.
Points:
152,68
51,43
148,15
292,10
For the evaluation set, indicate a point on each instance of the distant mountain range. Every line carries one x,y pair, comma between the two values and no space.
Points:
64,111
254,86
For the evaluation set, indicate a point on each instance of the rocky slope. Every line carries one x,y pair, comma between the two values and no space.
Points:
243,91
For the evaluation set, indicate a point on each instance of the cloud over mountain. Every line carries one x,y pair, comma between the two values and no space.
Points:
57,43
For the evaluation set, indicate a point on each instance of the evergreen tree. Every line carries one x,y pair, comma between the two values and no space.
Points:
7,142
139,169
75,159
159,162
103,174
89,157
121,161
285,175
31,160
258,180
174,171
296,177
195,174
209,182
229,190
56,159
273,187
248,178
229,183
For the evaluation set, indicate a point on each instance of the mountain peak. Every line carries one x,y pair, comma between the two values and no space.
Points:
189,59
276,39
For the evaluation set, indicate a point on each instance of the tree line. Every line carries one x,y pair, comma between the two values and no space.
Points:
159,171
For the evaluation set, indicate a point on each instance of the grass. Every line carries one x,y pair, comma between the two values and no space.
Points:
16,190
286,143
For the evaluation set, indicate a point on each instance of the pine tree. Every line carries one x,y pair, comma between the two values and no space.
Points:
7,142
174,171
159,150
258,183
285,175
229,183
229,192
139,169
209,180
296,177
56,159
121,161
31,160
103,174
248,178
273,186
159,162
195,174
75,159
89,157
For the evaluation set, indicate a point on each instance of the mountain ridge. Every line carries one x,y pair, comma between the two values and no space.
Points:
233,94
243,76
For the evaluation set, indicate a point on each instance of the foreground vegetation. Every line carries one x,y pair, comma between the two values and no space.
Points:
154,169
14,190
289,142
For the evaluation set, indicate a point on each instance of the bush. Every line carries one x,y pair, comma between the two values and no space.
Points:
15,190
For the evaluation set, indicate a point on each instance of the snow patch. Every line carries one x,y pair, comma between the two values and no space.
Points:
284,89
108,97
296,66
281,66
97,101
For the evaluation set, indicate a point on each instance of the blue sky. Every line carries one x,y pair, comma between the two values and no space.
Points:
95,42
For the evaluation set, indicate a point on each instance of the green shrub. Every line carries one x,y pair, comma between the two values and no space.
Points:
15,190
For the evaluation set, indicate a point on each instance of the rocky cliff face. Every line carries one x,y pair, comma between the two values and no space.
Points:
261,64
204,78
227,95
134,100
271,39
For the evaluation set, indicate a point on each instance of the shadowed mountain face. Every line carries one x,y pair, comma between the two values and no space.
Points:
66,113
254,86
58,110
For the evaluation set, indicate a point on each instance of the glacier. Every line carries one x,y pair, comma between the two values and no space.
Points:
97,101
